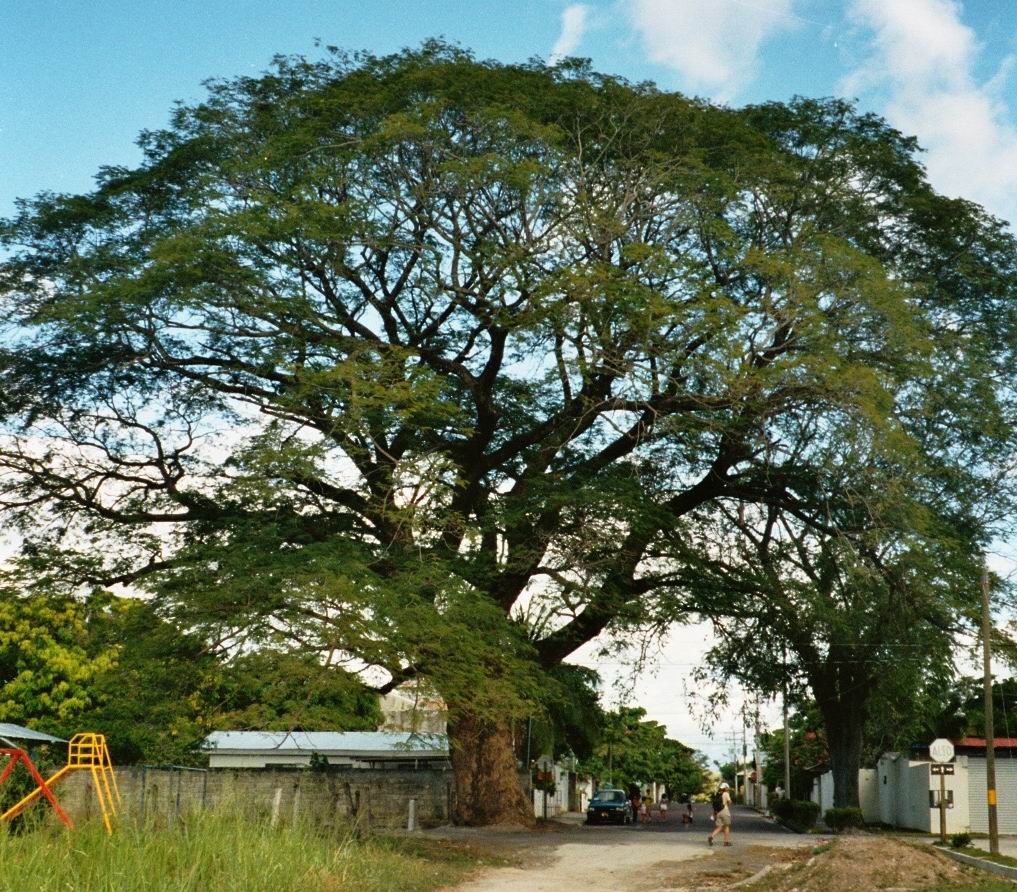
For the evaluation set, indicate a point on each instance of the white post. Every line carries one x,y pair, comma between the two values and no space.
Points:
276,803
411,819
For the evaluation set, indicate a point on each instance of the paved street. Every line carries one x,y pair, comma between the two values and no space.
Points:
607,859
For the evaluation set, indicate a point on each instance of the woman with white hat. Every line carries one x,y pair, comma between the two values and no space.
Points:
722,814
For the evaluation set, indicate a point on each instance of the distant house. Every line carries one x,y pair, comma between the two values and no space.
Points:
351,749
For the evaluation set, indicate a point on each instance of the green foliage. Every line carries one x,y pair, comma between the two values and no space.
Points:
634,752
808,750
840,819
152,689
381,356
801,814
960,840
46,668
573,721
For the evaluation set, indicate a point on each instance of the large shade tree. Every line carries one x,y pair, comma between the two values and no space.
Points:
861,598
421,362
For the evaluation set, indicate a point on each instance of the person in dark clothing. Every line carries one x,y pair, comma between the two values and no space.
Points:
636,797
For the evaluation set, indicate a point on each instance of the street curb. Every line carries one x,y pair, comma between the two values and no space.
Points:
759,874
981,863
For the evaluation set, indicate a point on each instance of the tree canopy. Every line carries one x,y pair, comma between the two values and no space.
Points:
430,365
634,751
112,664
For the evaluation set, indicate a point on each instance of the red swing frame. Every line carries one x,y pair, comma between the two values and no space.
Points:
15,756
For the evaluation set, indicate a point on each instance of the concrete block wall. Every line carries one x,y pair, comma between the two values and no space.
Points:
380,796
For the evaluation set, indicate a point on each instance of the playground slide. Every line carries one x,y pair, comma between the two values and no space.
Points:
20,806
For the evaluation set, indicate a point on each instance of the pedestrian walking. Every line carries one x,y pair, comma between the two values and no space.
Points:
722,815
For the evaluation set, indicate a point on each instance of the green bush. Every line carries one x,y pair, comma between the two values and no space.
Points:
960,840
799,813
838,819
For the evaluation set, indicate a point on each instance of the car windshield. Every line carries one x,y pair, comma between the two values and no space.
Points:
609,796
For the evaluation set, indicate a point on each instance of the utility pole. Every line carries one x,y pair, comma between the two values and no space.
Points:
744,755
757,763
990,736
787,737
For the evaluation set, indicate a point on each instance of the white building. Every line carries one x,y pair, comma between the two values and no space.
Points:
352,749
903,792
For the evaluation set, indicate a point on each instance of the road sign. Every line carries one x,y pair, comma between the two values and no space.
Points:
939,768
941,750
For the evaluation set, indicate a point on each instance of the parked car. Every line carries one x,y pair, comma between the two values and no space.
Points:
609,806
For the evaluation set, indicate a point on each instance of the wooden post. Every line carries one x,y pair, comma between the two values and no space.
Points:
942,805
990,741
787,750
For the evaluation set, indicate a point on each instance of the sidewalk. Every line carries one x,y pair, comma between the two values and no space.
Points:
1007,845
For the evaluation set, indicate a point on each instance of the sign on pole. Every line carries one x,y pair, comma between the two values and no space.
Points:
941,750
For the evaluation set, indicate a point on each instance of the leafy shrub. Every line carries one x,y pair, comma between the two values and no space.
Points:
960,840
838,819
798,813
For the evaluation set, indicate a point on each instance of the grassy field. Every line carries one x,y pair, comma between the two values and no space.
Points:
221,853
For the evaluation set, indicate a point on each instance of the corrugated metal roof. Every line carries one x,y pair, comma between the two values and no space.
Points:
333,743
17,732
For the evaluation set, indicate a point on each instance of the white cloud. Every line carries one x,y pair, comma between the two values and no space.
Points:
574,19
920,71
712,44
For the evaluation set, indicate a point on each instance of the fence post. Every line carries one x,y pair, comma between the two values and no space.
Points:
276,802
296,802
180,780
144,780
411,819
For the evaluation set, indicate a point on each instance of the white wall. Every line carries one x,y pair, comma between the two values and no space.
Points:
904,787
757,795
868,793
558,802
822,792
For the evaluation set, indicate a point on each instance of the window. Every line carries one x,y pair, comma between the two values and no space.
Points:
609,796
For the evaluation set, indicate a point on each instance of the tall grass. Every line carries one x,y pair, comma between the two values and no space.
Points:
222,852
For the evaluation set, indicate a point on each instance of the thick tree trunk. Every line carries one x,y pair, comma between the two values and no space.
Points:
488,790
844,739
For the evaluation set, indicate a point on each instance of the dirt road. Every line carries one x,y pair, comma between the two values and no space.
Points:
613,859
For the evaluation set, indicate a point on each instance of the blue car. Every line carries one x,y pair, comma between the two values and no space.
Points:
609,806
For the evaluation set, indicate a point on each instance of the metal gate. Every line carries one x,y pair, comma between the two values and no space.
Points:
1006,794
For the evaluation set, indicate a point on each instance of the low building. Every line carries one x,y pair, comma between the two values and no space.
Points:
349,749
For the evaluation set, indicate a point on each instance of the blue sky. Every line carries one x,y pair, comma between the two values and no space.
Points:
79,80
